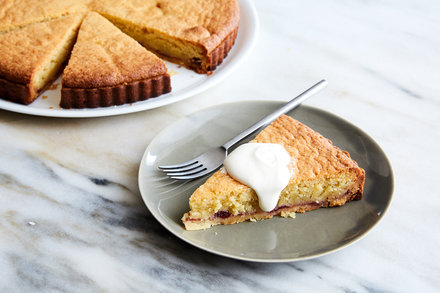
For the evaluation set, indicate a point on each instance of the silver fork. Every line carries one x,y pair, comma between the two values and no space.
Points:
214,157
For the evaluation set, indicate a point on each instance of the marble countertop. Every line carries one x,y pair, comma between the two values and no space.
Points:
72,218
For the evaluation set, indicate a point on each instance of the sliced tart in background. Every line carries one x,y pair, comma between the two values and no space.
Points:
107,68
31,57
19,13
195,34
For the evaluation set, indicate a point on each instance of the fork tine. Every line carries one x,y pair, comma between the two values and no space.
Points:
184,164
183,169
193,176
199,169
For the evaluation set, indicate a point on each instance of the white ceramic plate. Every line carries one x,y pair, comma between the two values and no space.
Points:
309,235
185,83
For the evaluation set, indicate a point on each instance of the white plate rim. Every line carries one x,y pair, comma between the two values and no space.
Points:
158,217
247,39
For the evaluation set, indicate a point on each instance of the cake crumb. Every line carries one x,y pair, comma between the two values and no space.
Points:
53,87
44,97
172,72
285,214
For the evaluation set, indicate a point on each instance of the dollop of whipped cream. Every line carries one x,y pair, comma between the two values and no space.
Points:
262,166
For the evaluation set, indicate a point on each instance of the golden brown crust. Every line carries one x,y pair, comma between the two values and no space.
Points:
213,59
223,22
20,93
316,161
104,56
115,95
216,56
25,52
16,92
197,224
315,155
205,22
18,13
210,25
109,68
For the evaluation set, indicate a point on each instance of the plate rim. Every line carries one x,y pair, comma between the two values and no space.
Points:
266,260
247,8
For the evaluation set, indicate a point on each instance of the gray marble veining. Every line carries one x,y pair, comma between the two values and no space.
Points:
72,219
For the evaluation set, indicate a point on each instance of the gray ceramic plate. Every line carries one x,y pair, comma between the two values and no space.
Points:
279,239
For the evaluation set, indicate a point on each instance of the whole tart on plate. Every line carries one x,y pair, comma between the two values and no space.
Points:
322,176
107,68
32,56
195,34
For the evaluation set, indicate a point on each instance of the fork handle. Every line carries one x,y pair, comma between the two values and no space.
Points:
292,104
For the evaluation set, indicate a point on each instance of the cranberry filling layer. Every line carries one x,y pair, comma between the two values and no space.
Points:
314,204
222,214
226,214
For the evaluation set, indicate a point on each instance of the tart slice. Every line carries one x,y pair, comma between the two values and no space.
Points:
31,57
107,68
195,34
19,13
321,176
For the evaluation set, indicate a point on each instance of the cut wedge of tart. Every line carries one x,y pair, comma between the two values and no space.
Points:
195,34
31,57
322,175
19,13
107,68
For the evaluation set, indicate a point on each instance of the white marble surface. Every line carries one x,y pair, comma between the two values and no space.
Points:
72,219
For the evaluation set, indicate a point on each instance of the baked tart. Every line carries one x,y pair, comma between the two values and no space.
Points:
31,57
19,13
195,34
321,175
107,68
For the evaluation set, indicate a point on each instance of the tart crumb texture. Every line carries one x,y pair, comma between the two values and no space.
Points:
107,68
197,34
19,13
31,57
323,176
